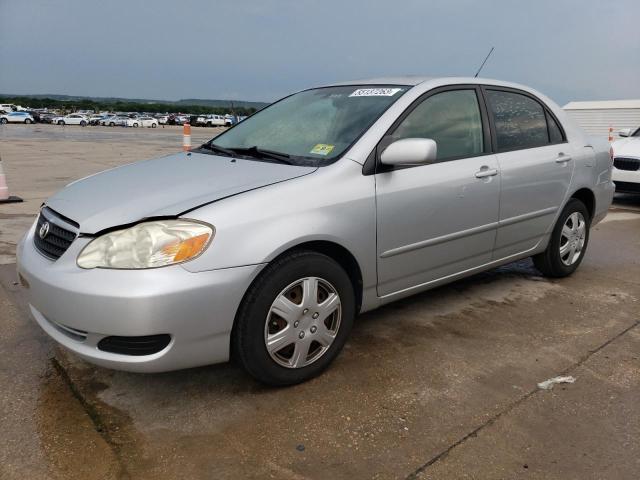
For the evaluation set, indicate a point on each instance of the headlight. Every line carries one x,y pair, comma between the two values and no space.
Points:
148,245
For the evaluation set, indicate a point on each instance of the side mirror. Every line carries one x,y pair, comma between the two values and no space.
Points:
410,151
625,132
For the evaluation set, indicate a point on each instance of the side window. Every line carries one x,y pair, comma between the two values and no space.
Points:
520,121
452,119
555,134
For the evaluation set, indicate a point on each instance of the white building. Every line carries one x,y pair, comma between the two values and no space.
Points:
597,117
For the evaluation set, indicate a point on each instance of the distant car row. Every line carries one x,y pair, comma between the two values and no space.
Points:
113,120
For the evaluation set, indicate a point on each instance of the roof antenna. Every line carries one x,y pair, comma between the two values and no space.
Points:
485,61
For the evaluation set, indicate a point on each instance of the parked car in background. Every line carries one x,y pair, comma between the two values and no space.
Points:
114,121
211,120
357,194
8,107
163,119
626,161
180,119
71,119
16,117
97,118
37,116
47,117
144,121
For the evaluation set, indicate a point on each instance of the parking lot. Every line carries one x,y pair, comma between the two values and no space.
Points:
441,385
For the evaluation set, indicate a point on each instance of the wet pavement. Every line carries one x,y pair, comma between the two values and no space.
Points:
440,385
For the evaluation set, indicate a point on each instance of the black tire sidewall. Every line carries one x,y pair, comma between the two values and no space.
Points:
558,266
249,331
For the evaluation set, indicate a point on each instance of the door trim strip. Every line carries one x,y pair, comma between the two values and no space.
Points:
437,240
465,233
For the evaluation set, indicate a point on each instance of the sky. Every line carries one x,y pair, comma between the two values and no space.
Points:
264,49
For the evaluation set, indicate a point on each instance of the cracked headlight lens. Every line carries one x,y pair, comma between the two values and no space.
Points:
148,245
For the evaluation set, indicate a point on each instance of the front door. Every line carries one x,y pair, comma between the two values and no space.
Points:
436,220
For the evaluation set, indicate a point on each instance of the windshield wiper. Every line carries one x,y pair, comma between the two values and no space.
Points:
263,153
215,148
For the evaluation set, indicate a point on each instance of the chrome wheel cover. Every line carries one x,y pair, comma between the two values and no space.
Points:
303,322
572,238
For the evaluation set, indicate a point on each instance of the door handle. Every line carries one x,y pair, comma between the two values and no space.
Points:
486,172
562,158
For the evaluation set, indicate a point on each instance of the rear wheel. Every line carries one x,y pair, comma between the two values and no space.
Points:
135,125
154,125
295,319
111,124
3,121
28,121
568,242
83,123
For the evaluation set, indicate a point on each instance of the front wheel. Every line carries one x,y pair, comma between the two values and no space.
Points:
294,319
154,125
83,123
3,121
60,122
568,242
28,121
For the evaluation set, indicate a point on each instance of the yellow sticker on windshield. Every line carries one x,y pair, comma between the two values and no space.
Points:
322,149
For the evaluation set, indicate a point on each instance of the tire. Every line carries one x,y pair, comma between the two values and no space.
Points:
154,125
111,124
28,121
4,121
60,122
135,125
255,320
83,123
553,262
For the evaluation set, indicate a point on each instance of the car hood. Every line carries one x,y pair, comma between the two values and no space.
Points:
627,147
162,187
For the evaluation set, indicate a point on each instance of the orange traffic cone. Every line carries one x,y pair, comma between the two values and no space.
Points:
186,137
4,189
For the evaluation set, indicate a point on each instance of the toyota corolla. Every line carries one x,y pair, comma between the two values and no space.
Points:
264,243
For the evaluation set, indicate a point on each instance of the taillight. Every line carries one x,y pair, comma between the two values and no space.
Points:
611,155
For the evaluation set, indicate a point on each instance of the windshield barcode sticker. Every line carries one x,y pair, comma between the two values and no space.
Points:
375,92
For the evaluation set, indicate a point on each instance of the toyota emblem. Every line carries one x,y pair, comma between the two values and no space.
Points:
44,230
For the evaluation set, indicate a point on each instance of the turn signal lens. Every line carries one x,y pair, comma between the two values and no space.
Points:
148,245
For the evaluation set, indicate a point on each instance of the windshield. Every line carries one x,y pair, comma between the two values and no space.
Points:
318,124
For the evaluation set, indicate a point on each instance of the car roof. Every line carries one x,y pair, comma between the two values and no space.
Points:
414,80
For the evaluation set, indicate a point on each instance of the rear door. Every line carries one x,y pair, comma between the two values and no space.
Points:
536,166
438,219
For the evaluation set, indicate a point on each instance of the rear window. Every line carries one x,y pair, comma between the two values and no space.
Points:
520,121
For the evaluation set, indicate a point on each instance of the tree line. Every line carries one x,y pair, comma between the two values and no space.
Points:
123,106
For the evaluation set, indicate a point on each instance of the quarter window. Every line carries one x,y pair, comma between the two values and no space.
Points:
452,119
555,134
520,121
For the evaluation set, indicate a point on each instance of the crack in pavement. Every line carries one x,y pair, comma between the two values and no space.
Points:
512,406
94,416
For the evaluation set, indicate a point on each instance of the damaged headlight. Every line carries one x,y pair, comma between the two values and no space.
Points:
148,245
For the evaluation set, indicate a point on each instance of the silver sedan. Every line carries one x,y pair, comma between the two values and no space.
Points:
264,243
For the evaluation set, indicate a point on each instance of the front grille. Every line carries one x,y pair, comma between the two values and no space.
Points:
54,240
630,164
145,345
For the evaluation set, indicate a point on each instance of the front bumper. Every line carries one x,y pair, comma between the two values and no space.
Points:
626,180
196,309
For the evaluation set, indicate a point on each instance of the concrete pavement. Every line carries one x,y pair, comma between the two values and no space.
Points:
440,385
